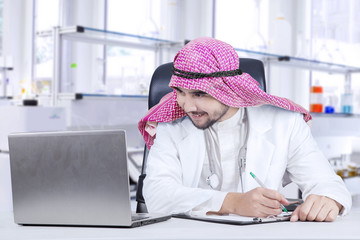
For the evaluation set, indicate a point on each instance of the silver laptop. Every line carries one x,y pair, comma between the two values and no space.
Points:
73,178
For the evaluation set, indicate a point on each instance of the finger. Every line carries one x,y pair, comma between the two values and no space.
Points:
317,210
328,212
285,202
322,214
321,208
269,207
266,211
332,215
295,214
269,200
274,199
270,203
305,209
272,194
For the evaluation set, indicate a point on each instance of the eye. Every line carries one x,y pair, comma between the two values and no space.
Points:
199,94
180,94
178,91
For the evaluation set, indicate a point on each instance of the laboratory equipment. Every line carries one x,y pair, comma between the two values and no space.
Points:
316,99
330,104
347,103
29,119
335,136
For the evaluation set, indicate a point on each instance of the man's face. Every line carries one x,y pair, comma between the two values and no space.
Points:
202,109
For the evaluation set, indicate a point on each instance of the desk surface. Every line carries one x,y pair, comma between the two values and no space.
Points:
347,227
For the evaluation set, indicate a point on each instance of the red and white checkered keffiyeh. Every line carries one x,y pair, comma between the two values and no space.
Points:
208,55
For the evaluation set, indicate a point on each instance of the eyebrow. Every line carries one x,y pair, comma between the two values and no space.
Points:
177,89
194,92
198,92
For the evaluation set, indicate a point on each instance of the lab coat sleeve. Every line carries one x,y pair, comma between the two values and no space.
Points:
163,189
213,204
310,170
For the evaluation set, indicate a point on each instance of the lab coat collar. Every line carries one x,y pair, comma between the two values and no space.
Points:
193,137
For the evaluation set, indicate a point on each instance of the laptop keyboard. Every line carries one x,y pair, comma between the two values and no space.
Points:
137,217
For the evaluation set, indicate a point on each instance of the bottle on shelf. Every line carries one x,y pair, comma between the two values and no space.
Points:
346,103
316,98
330,104
347,100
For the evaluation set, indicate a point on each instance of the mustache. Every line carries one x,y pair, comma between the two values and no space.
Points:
195,112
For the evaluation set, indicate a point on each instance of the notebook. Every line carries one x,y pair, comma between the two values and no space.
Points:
73,178
235,219
241,220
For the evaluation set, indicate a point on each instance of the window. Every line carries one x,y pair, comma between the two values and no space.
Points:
93,68
46,16
336,39
243,24
1,26
324,30
129,70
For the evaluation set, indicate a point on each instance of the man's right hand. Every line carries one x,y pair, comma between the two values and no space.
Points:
259,202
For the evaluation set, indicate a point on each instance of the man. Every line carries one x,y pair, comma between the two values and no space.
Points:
215,128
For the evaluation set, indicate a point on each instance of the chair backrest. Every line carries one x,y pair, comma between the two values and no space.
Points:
159,86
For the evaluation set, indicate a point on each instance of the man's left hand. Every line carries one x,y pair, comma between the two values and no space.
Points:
317,208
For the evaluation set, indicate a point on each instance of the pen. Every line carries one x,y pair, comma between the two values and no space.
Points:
262,185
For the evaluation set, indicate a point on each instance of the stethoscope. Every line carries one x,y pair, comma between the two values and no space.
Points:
213,180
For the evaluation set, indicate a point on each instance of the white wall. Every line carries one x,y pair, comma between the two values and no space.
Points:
186,19
197,19
287,30
17,41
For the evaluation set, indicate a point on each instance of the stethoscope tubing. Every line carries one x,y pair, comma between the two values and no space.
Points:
241,158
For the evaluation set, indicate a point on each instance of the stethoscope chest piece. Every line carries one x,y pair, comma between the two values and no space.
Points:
213,181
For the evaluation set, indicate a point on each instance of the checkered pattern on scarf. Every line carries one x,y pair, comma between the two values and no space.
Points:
207,55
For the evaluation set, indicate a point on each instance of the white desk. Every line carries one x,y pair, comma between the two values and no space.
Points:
343,228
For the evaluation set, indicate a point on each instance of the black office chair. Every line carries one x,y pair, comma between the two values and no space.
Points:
159,86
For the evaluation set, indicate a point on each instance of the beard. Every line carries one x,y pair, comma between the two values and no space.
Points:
210,120
205,125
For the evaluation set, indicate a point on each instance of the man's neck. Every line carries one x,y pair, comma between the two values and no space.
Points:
230,112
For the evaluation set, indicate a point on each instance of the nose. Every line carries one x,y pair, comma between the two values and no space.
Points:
186,103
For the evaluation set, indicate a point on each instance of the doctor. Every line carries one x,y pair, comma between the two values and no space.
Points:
215,128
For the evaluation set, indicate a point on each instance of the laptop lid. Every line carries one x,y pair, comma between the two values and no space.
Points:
70,178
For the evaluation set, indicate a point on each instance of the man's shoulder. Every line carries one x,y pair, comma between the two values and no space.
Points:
176,123
270,110
177,130
183,124
273,116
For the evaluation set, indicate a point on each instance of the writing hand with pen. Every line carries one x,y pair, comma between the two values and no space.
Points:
259,202
263,202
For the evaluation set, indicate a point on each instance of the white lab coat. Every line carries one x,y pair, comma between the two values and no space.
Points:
280,149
